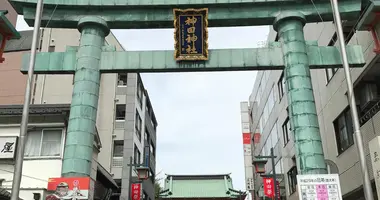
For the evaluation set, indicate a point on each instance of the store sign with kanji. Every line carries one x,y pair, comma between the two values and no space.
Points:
374,149
136,191
8,145
269,188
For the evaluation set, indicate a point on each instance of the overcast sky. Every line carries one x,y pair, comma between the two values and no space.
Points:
198,114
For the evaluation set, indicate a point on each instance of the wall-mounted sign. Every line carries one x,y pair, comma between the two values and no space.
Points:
247,149
68,188
8,145
319,186
245,127
246,138
190,34
374,150
256,138
249,184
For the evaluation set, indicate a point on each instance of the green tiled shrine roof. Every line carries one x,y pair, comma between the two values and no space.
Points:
198,186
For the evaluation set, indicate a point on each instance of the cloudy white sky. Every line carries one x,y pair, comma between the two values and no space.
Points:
198,114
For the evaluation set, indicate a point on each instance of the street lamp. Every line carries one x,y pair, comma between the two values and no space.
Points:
259,165
260,162
142,174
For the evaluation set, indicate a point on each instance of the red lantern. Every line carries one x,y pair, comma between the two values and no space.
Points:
7,32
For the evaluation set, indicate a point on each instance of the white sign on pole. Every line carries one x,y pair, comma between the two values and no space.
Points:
7,147
249,184
374,150
319,186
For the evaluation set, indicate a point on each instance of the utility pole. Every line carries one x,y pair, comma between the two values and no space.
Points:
351,98
17,174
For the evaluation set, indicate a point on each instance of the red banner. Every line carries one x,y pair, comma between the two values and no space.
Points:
278,191
136,191
268,187
246,138
68,188
256,138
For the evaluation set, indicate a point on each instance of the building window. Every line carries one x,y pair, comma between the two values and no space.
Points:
292,178
137,155
330,72
139,93
279,167
138,124
152,149
118,146
281,86
120,111
51,48
286,130
344,131
146,135
44,143
122,79
148,107
347,33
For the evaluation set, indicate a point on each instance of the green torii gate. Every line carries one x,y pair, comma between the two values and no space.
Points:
95,18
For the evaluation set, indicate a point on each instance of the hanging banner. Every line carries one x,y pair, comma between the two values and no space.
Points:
268,187
68,188
278,190
246,138
136,191
190,34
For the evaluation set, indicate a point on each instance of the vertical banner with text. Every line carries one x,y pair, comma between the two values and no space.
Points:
268,187
247,145
136,191
374,149
278,190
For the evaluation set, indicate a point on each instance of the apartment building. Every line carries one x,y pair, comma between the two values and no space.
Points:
126,123
269,115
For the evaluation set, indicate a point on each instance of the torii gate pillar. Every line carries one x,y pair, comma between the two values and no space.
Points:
302,109
77,156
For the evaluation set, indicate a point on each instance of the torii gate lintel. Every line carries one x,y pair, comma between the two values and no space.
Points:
269,58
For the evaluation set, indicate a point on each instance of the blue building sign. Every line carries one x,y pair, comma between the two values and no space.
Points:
191,35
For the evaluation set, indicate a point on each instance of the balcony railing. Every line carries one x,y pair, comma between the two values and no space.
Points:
117,161
370,113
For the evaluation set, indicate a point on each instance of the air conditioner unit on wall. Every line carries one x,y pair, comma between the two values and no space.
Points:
369,96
